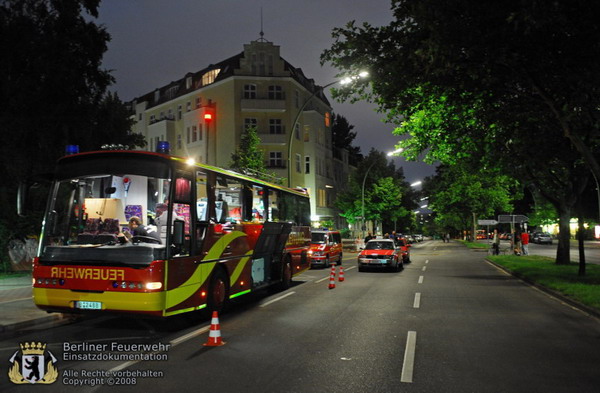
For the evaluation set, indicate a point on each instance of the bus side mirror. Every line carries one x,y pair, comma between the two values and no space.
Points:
178,232
22,192
24,188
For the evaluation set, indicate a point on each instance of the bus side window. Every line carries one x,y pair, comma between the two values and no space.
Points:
201,196
228,205
181,209
202,209
273,206
258,204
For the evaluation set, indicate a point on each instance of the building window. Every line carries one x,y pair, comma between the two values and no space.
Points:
209,77
200,131
188,106
306,133
275,92
179,141
179,112
275,159
198,102
140,117
194,133
270,65
188,139
297,99
250,122
327,119
322,198
298,163
307,164
275,126
297,131
156,95
152,119
188,82
250,92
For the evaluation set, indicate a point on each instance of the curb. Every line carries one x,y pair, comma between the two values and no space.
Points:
574,303
13,327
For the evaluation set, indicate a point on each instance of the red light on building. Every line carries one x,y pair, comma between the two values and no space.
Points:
208,117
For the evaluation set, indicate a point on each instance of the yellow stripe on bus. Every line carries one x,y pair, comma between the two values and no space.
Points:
202,272
238,269
125,301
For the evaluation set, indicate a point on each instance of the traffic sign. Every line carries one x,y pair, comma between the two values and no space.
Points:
514,218
487,222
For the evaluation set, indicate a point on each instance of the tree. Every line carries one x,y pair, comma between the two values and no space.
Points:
387,196
481,80
247,158
343,136
461,197
53,91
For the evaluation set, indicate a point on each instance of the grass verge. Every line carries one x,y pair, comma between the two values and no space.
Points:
483,246
562,278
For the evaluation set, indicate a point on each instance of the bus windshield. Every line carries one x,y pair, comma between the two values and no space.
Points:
87,220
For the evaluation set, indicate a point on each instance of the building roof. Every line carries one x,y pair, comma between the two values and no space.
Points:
227,67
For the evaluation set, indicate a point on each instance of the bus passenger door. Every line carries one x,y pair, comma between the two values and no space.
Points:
267,262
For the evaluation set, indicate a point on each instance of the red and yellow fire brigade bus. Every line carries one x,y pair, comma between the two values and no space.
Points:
210,235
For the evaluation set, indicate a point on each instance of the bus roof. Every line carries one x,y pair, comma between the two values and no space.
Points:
168,158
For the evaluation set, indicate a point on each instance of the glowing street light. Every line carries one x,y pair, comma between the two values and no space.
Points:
417,183
393,153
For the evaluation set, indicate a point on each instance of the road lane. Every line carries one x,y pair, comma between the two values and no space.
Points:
478,330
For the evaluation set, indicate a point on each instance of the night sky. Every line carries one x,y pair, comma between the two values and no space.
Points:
157,41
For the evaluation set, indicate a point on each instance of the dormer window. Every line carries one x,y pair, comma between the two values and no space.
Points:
210,76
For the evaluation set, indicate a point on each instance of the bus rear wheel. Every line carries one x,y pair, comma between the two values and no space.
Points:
218,291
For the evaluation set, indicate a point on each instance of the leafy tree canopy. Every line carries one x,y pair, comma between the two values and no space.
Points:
488,84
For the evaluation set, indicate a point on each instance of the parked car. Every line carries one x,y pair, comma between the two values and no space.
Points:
381,253
542,238
404,249
325,247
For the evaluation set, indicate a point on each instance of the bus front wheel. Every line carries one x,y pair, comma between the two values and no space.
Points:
218,292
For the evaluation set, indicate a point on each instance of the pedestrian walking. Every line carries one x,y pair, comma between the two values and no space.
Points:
525,243
517,242
496,243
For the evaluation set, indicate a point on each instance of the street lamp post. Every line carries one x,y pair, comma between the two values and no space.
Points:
295,122
363,200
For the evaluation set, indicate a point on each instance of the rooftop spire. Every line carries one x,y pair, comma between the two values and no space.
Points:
262,34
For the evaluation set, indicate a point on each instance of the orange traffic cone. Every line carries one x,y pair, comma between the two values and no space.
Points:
341,276
214,337
332,278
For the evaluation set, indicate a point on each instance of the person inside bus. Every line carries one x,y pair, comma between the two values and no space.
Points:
136,228
222,209
161,220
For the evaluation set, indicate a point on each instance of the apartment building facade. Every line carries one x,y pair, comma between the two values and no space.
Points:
204,113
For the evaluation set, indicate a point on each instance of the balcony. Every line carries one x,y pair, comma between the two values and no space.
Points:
262,105
273,139
164,128
273,164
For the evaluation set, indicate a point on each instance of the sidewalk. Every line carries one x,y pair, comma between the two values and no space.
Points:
17,308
